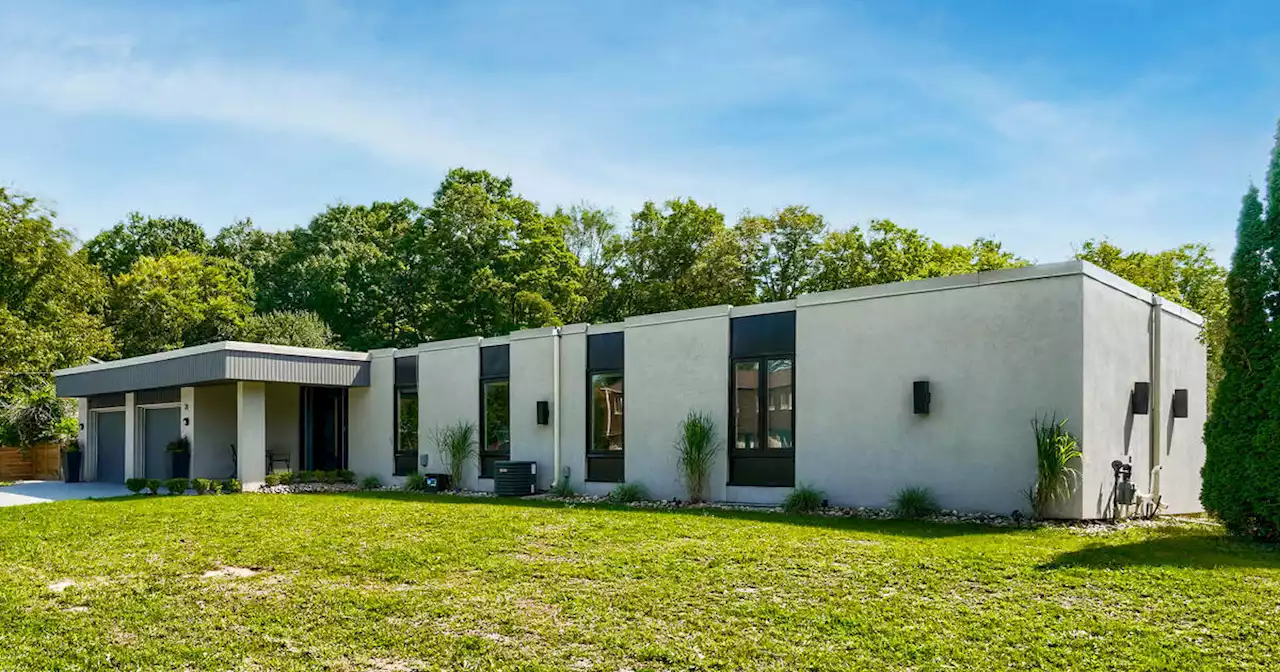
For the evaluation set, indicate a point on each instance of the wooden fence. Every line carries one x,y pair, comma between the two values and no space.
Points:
42,462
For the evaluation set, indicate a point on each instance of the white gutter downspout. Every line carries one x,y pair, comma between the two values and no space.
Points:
1157,397
555,406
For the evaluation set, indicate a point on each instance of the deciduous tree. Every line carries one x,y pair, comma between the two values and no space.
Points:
117,249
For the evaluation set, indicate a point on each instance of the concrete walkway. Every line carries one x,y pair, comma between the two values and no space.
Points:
36,492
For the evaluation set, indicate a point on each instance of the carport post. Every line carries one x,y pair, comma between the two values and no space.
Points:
131,466
251,434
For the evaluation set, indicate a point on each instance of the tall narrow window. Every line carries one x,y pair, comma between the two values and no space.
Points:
406,458
605,409
763,400
495,407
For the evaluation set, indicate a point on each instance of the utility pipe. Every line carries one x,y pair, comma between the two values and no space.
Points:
1157,398
555,405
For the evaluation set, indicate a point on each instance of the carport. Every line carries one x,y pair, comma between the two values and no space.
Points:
244,407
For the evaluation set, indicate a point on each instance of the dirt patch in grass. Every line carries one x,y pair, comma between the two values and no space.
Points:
233,572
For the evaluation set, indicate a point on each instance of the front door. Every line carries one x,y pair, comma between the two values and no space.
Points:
324,428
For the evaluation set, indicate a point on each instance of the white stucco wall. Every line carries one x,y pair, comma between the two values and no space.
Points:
214,430
449,391
532,380
283,421
371,420
674,363
996,355
251,433
1184,363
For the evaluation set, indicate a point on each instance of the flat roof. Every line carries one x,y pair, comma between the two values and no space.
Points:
222,362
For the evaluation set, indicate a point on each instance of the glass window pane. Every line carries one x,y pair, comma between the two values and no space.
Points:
780,401
497,418
746,405
606,412
407,436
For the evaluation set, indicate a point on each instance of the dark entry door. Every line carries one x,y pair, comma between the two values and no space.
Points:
160,427
110,438
324,428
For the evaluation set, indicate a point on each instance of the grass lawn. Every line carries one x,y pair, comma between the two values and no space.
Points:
399,582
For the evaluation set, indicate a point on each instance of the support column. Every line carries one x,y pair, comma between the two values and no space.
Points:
132,465
371,430
89,449
251,434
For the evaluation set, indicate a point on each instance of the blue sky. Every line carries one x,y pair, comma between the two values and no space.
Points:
1040,124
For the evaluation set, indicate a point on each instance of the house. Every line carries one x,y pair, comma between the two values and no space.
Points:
858,392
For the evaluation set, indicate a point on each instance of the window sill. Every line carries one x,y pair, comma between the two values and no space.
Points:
758,485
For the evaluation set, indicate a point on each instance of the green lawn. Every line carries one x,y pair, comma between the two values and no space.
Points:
397,582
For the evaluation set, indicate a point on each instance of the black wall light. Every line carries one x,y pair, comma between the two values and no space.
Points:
544,413
920,397
1140,398
1180,403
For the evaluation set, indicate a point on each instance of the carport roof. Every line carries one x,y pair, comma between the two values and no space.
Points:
221,362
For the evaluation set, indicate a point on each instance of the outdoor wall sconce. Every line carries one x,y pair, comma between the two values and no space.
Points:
1180,403
1140,398
920,397
186,422
423,459
544,413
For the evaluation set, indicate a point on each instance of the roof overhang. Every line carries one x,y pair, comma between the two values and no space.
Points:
222,362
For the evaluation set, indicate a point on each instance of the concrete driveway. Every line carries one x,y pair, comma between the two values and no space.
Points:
37,492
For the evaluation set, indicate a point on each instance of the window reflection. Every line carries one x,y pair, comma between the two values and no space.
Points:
606,412
746,404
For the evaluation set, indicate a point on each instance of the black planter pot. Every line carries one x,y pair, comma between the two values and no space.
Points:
179,465
71,463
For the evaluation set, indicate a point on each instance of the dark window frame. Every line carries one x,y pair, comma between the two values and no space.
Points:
396,452
741,460
492,456
612,472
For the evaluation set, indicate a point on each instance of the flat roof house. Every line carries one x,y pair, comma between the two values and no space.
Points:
857,392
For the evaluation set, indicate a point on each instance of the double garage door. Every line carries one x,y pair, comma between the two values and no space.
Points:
156,428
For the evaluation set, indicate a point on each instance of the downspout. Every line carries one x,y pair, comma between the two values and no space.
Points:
1157,398
555,406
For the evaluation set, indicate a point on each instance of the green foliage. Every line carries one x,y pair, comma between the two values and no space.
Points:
915,502
346,476
327,477
370,482
803,499
562,488
298,328
1187,275
182,444
785,252
1242,444
201,485
215,487
117,249
457,445
288,478
232,486
308,476
154,485
178,300
271,480
34,415
625,493
696,449
415,483
177,486
1057,453
135,485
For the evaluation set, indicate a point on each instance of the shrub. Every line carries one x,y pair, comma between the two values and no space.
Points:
625,493
415,483
272,480
915,502
136,485
1056,453
305,477
35,415
346,476
177,486
200,485
181,444
215,487
288,478
804,499
232,485
327,477
457,445
562,488
697,446
154,485
370,483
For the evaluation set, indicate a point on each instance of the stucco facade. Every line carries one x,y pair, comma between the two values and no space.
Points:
834,404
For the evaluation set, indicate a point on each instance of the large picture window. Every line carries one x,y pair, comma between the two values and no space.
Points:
495,440
406,458
605,408
762,407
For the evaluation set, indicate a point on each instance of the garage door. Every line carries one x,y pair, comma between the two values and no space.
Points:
160,427
109,430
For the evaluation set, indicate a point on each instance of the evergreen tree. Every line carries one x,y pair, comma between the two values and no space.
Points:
1234,489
